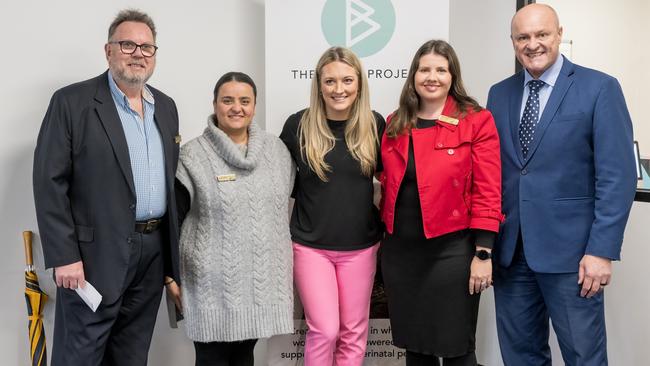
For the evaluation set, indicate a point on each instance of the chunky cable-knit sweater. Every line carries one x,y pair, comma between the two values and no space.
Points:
236,257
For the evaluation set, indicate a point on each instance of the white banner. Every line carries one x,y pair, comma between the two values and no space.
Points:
385,34
289,350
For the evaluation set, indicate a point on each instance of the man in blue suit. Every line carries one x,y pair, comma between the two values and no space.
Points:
568,185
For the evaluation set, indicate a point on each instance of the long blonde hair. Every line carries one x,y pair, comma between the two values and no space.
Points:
315,136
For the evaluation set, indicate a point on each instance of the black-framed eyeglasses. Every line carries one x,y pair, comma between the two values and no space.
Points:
129,47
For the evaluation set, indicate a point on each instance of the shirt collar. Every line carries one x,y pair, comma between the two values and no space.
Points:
550,75
121,98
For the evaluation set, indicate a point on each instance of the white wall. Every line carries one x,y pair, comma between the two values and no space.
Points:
479,32
47,45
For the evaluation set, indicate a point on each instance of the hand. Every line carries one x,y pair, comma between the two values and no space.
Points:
480,277
70,276
174,292
594,274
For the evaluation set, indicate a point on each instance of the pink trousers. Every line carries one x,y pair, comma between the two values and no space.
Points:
334,288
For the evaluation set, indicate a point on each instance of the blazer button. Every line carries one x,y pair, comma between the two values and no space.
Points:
524,172
132,206
439,144
455,183
455,213
450,151
129,240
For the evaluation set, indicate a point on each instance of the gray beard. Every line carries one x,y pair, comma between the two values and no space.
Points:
134,81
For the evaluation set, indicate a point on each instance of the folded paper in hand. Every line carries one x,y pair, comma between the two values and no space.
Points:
90,296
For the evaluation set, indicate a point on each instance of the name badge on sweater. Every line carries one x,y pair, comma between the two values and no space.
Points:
226,177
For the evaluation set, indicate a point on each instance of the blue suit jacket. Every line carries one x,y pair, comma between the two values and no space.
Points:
573,194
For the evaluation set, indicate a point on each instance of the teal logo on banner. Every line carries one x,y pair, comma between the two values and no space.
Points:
364,26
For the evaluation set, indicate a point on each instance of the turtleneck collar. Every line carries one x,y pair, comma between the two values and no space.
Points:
229,151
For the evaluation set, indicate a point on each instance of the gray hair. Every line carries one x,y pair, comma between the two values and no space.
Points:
131,15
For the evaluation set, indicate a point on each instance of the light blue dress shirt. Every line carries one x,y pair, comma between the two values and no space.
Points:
549,77
145,152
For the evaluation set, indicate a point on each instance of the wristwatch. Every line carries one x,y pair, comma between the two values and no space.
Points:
483,254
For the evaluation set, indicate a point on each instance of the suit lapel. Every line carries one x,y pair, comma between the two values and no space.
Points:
161,120
111,121
514,109
562,84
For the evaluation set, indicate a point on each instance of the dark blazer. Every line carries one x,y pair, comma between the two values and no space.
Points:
83,186
573,194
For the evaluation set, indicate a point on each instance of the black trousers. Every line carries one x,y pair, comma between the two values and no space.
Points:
225,353
118,333
419,359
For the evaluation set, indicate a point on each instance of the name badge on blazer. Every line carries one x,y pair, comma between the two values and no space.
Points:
226,177
445,119
177,139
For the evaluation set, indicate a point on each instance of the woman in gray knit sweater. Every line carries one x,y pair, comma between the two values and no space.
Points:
233,185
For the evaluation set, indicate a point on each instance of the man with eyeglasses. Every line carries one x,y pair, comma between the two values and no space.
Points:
104,169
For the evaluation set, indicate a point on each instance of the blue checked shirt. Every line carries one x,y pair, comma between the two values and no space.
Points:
145,153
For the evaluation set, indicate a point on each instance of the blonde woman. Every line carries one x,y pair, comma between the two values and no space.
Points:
335,227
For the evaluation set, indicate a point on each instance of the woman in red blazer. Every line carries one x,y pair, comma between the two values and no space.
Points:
442,209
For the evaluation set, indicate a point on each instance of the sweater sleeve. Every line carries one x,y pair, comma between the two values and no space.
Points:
183,186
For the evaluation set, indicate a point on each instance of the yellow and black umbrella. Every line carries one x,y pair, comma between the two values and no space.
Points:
36,299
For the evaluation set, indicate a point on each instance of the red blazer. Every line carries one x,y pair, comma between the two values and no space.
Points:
458,170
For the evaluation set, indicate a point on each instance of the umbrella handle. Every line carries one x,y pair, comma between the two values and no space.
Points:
27,240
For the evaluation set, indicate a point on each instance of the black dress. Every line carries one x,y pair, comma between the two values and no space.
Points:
426,280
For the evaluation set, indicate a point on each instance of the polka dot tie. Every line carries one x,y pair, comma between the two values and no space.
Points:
530,117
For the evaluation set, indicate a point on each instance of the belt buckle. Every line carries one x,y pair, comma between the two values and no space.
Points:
150,226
